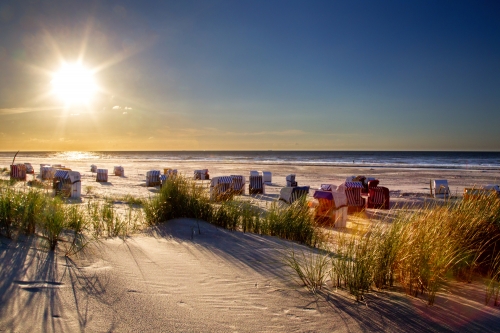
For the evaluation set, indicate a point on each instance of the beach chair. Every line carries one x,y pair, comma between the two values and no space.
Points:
67,183
331,208
290,181
482,192
102,175
378,196
355,202
119,171
237,184
201,174
220,188
93,168
256,185
18,172
153,178
440,189
291,194
267,177
47,172
29,168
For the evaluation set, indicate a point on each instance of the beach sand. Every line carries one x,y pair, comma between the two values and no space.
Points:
170,278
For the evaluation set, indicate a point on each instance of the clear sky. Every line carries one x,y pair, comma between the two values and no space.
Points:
260,75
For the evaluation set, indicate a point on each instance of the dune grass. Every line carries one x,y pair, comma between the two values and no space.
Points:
420,250
183,197
34,212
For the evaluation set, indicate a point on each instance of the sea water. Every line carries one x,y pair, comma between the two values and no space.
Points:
398,159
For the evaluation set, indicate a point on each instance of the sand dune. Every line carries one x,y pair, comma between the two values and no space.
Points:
173,279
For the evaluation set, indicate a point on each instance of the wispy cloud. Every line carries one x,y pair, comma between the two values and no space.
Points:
6,111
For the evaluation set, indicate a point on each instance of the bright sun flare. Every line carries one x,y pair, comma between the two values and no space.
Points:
74,84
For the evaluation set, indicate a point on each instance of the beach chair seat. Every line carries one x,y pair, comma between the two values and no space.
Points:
153,178
292,194
440,189
238,184
220,188
355,201
331,209
290,181
378,197
256,185
18,172
102,175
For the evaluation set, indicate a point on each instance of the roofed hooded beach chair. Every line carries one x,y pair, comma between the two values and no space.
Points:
292,194
153,178
440,189
238,184
201,174
47,172
119,171
290,181
482,192
256,185
29,168
67,183
378,196
18,172
220,188
93,168
331,208
355,202
102,175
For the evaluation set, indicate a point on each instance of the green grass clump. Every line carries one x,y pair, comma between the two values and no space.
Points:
182,197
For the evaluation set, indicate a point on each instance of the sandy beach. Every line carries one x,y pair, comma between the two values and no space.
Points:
169,279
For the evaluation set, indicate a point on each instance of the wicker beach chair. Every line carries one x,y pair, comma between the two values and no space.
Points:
238,184
153,178
378,196
256,185
67,183
355,202
18,172
102,175
201,174
220,188
290,181
29,168
119,171
440,189
292,194
331,209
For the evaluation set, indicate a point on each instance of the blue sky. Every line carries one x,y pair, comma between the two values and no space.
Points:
322,75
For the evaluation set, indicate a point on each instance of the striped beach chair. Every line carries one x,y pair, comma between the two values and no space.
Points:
153,178
256,185
355,201
378,197
119,171
18,172
220,188
238,184
290,181
67,183
292,194
102,175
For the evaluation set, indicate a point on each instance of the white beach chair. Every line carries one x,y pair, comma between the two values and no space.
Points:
267,177
220,188
290,181
440,188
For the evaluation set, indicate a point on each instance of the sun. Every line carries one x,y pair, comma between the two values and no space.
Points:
74,84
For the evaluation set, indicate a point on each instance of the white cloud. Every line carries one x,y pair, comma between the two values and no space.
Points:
117,107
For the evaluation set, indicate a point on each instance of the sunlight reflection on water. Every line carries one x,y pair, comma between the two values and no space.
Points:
77,155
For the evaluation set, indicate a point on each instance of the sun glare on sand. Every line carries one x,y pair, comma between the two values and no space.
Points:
74,84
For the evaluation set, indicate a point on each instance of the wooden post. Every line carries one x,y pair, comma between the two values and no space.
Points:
430,186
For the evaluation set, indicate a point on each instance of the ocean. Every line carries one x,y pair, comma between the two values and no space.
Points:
390,159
